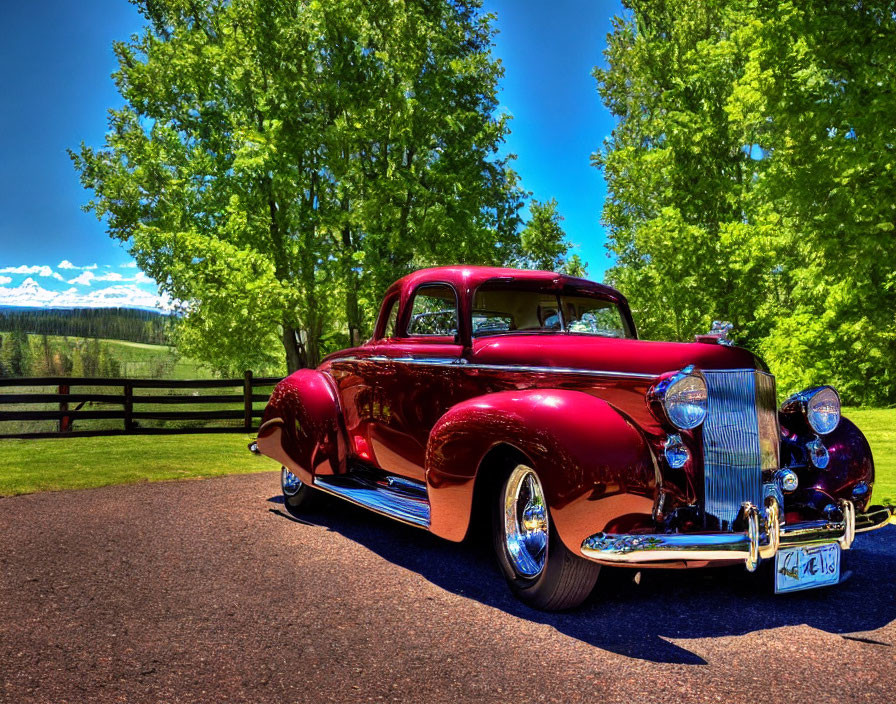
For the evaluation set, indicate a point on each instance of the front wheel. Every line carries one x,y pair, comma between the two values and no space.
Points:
539,568
297,495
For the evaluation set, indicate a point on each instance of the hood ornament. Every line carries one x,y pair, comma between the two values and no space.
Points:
718,334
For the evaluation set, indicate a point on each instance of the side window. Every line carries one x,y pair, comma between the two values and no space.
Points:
433,311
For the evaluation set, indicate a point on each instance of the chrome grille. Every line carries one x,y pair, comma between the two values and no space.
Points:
740,439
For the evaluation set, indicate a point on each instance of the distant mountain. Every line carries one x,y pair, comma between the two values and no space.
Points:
30,294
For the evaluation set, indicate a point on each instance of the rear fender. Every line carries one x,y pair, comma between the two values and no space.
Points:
302,426
596,468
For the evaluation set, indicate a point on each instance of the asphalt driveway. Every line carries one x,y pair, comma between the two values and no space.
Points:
208,590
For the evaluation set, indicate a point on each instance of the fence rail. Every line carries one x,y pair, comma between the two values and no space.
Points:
71,405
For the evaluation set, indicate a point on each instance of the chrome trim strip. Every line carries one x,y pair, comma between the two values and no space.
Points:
561,370
674,547
459,361
397,503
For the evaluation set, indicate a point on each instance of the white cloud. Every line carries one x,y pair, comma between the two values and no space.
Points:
129,265
5,280
66,264
58,276
109,276
142,278
24,269
83,279
31,294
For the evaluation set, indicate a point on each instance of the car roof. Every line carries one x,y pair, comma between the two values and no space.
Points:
469,277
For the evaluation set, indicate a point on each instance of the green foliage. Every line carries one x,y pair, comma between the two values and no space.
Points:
15,355
751,178
277,164
49,355
113,323
543,242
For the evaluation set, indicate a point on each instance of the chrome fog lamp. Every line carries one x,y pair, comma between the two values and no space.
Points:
820,406
683,398
677,454
818,453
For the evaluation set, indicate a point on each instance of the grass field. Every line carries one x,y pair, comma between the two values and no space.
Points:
27,466
135,359
879,426
75,463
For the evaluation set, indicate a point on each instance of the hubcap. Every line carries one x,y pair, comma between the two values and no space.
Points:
289,482
525,522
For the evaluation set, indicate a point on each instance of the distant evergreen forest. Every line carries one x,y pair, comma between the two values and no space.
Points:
109,323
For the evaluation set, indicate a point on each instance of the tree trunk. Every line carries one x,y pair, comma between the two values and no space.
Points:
295,355
352,313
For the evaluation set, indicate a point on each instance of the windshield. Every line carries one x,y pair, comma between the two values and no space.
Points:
500,308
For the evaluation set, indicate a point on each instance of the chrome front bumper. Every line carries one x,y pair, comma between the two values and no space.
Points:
760,541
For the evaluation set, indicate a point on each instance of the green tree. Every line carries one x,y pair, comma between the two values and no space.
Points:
750,178
16,354
543,242
277,164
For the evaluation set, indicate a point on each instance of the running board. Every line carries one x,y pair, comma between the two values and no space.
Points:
403,499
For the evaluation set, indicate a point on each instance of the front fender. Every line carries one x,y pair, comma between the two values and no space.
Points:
302,426
596,468
850,464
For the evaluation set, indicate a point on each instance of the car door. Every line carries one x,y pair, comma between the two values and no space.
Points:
417,378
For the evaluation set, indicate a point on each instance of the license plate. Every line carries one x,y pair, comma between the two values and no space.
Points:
807,568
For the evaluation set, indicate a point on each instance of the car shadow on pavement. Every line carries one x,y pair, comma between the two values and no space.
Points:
642,619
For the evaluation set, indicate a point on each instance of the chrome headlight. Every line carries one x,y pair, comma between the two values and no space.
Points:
820,407
683,398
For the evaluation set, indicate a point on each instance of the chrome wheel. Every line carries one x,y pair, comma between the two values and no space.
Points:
289,482
525,522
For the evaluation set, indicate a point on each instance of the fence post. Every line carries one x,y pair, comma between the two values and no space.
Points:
247,399
128,407
65,422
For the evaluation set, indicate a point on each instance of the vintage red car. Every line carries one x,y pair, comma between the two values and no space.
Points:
527,395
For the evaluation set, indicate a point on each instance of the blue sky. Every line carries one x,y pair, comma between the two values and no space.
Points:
57,58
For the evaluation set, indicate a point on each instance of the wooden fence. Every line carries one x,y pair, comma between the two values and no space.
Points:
69,405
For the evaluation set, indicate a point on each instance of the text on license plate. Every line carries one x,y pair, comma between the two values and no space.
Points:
807,567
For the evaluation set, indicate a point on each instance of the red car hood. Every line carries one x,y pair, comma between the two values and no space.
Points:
607,354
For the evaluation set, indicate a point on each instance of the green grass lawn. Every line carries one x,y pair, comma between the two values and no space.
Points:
879,426
27,466
75,463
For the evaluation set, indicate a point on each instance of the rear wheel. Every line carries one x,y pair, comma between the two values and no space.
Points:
297,495
539,568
